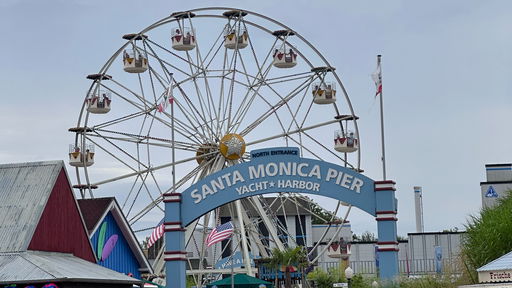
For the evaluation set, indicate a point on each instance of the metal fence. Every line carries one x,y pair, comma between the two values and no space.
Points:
450,266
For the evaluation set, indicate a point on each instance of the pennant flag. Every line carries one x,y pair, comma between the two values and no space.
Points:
220,233
157,233
168,99
377,78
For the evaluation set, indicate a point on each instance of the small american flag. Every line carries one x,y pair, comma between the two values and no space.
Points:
220,233
157,233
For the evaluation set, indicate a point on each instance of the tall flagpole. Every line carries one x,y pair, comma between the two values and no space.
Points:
381,118
171,98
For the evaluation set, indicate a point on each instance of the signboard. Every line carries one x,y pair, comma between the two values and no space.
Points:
340,285
491,193
495,276
234,261
277,170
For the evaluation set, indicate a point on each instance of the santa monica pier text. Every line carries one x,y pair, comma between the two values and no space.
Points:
307,178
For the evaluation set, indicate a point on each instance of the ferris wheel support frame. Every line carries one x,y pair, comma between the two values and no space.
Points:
197,70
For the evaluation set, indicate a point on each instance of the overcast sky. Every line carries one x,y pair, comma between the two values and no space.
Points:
446,77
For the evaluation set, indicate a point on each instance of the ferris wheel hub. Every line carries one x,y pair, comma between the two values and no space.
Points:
232,146
206,152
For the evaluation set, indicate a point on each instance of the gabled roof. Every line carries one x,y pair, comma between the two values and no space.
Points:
24,191
36,266
95,210
502,263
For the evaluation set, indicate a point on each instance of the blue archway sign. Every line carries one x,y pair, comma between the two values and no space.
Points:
275,170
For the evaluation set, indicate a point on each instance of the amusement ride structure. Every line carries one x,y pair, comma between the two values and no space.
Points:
193,94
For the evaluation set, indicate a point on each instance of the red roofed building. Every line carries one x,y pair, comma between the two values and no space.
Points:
42,233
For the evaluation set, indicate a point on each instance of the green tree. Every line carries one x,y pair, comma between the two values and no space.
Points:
401,238
275,263
320,215
286,260
488,235
368,237
190,281
365,237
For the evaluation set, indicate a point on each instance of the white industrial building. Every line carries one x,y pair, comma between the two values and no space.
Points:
499,181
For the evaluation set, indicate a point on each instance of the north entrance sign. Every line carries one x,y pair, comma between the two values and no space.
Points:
276,170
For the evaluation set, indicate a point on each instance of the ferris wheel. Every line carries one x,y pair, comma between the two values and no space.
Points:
192,94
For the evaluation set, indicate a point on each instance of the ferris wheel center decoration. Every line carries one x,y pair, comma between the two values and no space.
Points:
232,146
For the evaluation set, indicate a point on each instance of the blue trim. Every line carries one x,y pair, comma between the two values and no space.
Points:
505,168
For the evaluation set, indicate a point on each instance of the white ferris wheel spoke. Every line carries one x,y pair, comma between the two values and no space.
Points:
241,109
272,110
292,132
159,199
156,168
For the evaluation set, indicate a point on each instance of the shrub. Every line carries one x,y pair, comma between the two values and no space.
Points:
325,279
488,235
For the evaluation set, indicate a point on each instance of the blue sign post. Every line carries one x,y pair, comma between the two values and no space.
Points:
276,170
438,250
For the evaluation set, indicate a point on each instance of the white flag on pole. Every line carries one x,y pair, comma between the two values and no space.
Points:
377,78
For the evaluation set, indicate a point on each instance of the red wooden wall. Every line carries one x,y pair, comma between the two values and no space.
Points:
60,228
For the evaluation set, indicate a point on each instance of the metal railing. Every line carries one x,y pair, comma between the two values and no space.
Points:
450,266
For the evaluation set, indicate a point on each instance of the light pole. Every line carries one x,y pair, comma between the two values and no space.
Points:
349,273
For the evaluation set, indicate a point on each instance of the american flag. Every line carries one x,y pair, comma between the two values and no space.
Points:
157,233
220,233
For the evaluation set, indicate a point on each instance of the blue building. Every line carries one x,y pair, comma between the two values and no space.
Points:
113,241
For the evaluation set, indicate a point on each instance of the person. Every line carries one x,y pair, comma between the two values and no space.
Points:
328,92
187,39
177,32
289,57
275,53
350,140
